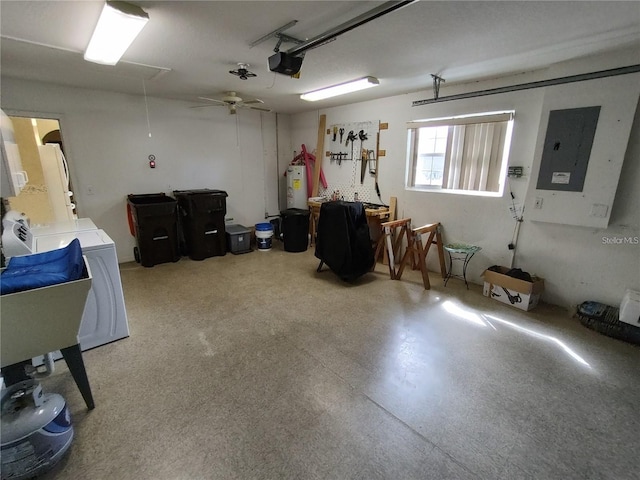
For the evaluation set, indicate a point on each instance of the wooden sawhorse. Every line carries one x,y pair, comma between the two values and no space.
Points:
417,252
392,245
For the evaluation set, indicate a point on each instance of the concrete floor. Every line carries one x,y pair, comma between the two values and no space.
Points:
256,367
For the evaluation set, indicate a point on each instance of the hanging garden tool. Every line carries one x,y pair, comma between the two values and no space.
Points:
351,137
378,167
364,154
363,165
362,136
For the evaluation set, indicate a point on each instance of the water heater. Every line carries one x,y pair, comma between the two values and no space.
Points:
296,186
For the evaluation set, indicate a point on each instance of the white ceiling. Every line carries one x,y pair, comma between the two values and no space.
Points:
188,47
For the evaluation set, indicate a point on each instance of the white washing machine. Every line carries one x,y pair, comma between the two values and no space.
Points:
105,318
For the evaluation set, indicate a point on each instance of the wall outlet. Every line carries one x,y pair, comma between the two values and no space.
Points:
538,203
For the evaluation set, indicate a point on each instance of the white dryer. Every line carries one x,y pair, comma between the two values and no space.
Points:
77,225
105,317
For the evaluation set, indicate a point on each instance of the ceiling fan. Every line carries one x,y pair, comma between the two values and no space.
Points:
243,71
233,102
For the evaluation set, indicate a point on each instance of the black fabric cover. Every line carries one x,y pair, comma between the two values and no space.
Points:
343,240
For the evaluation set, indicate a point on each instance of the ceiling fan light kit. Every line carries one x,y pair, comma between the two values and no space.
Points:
243,71
118,26
340,89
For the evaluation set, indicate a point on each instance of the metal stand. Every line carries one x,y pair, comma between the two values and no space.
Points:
462,253
73,356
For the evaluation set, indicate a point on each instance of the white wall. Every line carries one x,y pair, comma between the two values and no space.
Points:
285,155
107,143
575,263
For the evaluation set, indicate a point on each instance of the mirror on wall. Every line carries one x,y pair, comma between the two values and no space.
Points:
48,195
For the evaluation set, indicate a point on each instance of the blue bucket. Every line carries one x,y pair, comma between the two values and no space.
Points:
264,236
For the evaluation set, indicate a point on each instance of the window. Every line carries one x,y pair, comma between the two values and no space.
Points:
465,154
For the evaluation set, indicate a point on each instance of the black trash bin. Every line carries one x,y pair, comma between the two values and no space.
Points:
154,217
202,222
295,229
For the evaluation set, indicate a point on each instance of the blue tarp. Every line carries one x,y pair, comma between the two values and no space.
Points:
43,269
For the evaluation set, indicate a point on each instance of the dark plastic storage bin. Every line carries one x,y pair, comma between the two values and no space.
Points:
295,229
155,220
202,222
238,239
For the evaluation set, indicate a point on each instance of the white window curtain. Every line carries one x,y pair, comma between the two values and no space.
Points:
473,157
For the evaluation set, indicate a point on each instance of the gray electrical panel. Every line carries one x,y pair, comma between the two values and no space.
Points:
567,147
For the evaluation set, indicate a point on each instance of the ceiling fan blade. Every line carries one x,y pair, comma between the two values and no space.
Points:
262,109
214,100
211,105
255,100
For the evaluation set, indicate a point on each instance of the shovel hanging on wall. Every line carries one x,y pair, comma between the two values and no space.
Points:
363,165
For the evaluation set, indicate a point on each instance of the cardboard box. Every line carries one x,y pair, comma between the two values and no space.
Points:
512,291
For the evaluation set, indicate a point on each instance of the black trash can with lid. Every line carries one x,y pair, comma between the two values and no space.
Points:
202,214
154,219
295,229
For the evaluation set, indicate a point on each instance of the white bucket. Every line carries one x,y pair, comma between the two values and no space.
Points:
264,236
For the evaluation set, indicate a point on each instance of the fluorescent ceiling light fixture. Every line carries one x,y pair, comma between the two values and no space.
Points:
118,26
341,89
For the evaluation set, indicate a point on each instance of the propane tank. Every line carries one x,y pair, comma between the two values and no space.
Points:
36,430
